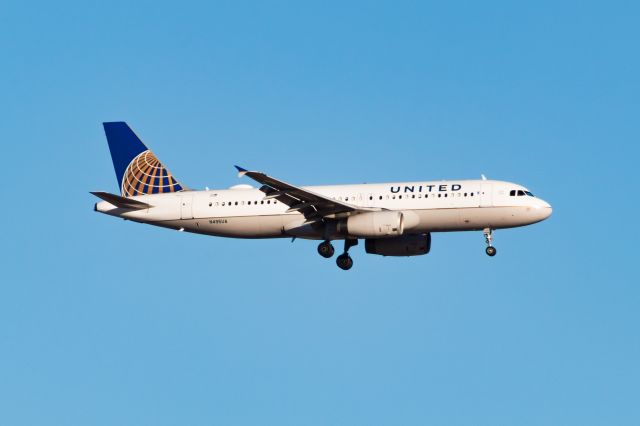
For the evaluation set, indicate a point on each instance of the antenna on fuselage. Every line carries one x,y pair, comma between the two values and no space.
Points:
483,177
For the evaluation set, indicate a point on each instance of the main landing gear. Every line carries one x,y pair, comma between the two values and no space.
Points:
325,249
488,237
344,261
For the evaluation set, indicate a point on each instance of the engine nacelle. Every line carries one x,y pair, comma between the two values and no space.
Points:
373,225
407,245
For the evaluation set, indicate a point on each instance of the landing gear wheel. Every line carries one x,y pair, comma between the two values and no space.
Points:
488,238
325,249
344,261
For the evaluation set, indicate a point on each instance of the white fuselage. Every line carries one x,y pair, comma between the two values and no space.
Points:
243,211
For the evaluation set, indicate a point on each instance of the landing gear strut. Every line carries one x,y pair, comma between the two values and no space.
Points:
325,249
488,237
344,261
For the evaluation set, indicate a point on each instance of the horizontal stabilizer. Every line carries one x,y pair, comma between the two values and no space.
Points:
122,202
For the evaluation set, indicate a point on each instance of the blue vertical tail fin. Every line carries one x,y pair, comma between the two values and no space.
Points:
138,170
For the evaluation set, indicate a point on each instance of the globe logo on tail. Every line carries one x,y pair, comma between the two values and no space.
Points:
146,175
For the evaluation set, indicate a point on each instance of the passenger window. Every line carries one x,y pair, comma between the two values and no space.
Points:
400,197
465,194
223,203
210,204
439,195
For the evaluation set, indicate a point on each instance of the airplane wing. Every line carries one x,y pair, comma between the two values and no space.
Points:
313,206
121,202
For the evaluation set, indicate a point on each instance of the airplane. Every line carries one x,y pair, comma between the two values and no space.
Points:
393,219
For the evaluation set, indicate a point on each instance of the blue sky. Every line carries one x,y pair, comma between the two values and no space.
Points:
108,322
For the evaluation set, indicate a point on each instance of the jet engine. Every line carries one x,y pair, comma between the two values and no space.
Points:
373,224
407,245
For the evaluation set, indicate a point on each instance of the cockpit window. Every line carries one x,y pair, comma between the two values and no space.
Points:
520,193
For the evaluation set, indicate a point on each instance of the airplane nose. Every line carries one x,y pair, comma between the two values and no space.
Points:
545,210
539,211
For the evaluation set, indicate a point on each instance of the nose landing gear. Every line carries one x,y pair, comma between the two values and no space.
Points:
344,261
488,237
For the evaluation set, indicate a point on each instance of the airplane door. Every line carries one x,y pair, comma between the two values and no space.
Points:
486,195
186,206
